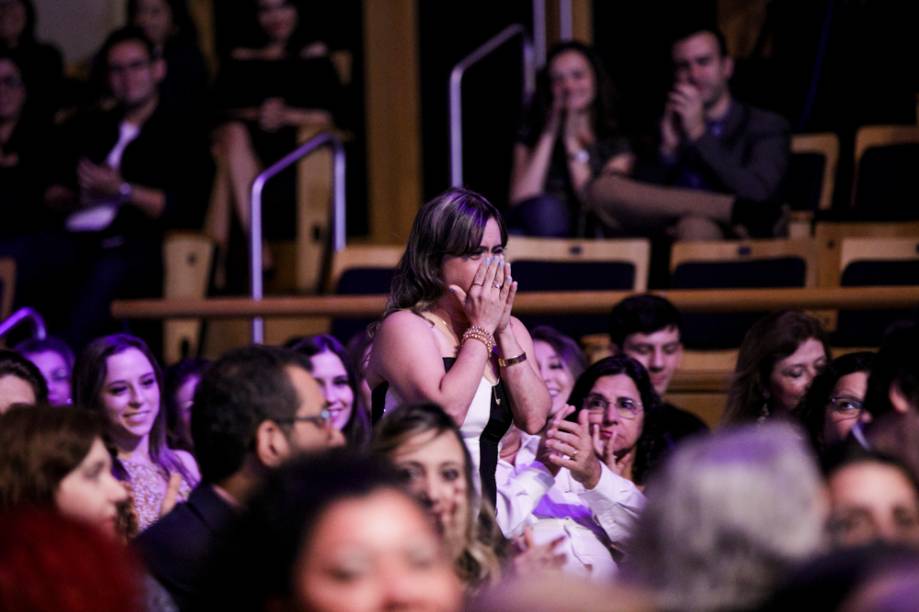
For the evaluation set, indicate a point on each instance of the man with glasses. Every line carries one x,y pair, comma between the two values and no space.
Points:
124,176
254,408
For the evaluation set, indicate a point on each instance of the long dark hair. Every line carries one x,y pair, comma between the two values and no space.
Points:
357,429
814,405
449,225
89,375
768,341
603,109
649,447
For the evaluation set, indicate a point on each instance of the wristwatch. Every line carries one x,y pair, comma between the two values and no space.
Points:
125,191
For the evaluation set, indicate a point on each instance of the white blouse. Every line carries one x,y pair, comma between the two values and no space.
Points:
593,521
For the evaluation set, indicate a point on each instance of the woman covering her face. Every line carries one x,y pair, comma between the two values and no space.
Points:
448,337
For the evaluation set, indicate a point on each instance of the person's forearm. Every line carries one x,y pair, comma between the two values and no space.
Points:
307,116
530,177
529,398
152,202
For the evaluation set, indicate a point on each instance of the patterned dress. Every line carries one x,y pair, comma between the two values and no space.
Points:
148,483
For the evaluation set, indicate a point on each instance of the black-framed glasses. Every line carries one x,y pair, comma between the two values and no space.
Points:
845,407
626,407
321,420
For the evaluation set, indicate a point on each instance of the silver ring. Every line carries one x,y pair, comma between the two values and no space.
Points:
574,455
496,286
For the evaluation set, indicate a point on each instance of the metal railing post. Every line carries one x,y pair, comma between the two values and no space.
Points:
456,90
539,32
24,314
255,211
565,20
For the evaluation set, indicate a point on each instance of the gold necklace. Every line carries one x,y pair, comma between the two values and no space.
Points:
447,328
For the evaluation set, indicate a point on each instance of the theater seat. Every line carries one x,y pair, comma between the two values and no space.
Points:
874,261
188,261
361,270
552,264
734,265
886,159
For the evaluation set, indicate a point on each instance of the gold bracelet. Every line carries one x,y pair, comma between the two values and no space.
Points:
503,363
481,334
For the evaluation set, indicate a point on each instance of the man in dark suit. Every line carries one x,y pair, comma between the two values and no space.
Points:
254,408
720,162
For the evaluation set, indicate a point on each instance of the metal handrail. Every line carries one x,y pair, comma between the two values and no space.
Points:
255,215
24,314
565,20
539,32
456,91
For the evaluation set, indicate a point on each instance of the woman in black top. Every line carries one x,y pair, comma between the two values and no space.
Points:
267,93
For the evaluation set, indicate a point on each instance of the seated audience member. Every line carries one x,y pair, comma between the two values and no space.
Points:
872,497
254,408
180,381
893,386
52,458
359,347
53,562
267,91
778,359
424,444
827,581
128,173
727,518
117,378
41,63
571,136
54,359
170,28
647,329
20,382
23,156
894,589
334,532
721,163
55,459
560,361
835,401
575,482
331,368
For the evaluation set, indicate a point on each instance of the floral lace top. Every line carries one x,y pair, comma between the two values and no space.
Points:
148,484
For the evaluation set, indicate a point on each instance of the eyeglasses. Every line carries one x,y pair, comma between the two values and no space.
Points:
321,420
844,407
598,406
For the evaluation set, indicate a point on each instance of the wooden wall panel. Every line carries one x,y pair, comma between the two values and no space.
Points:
393,118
